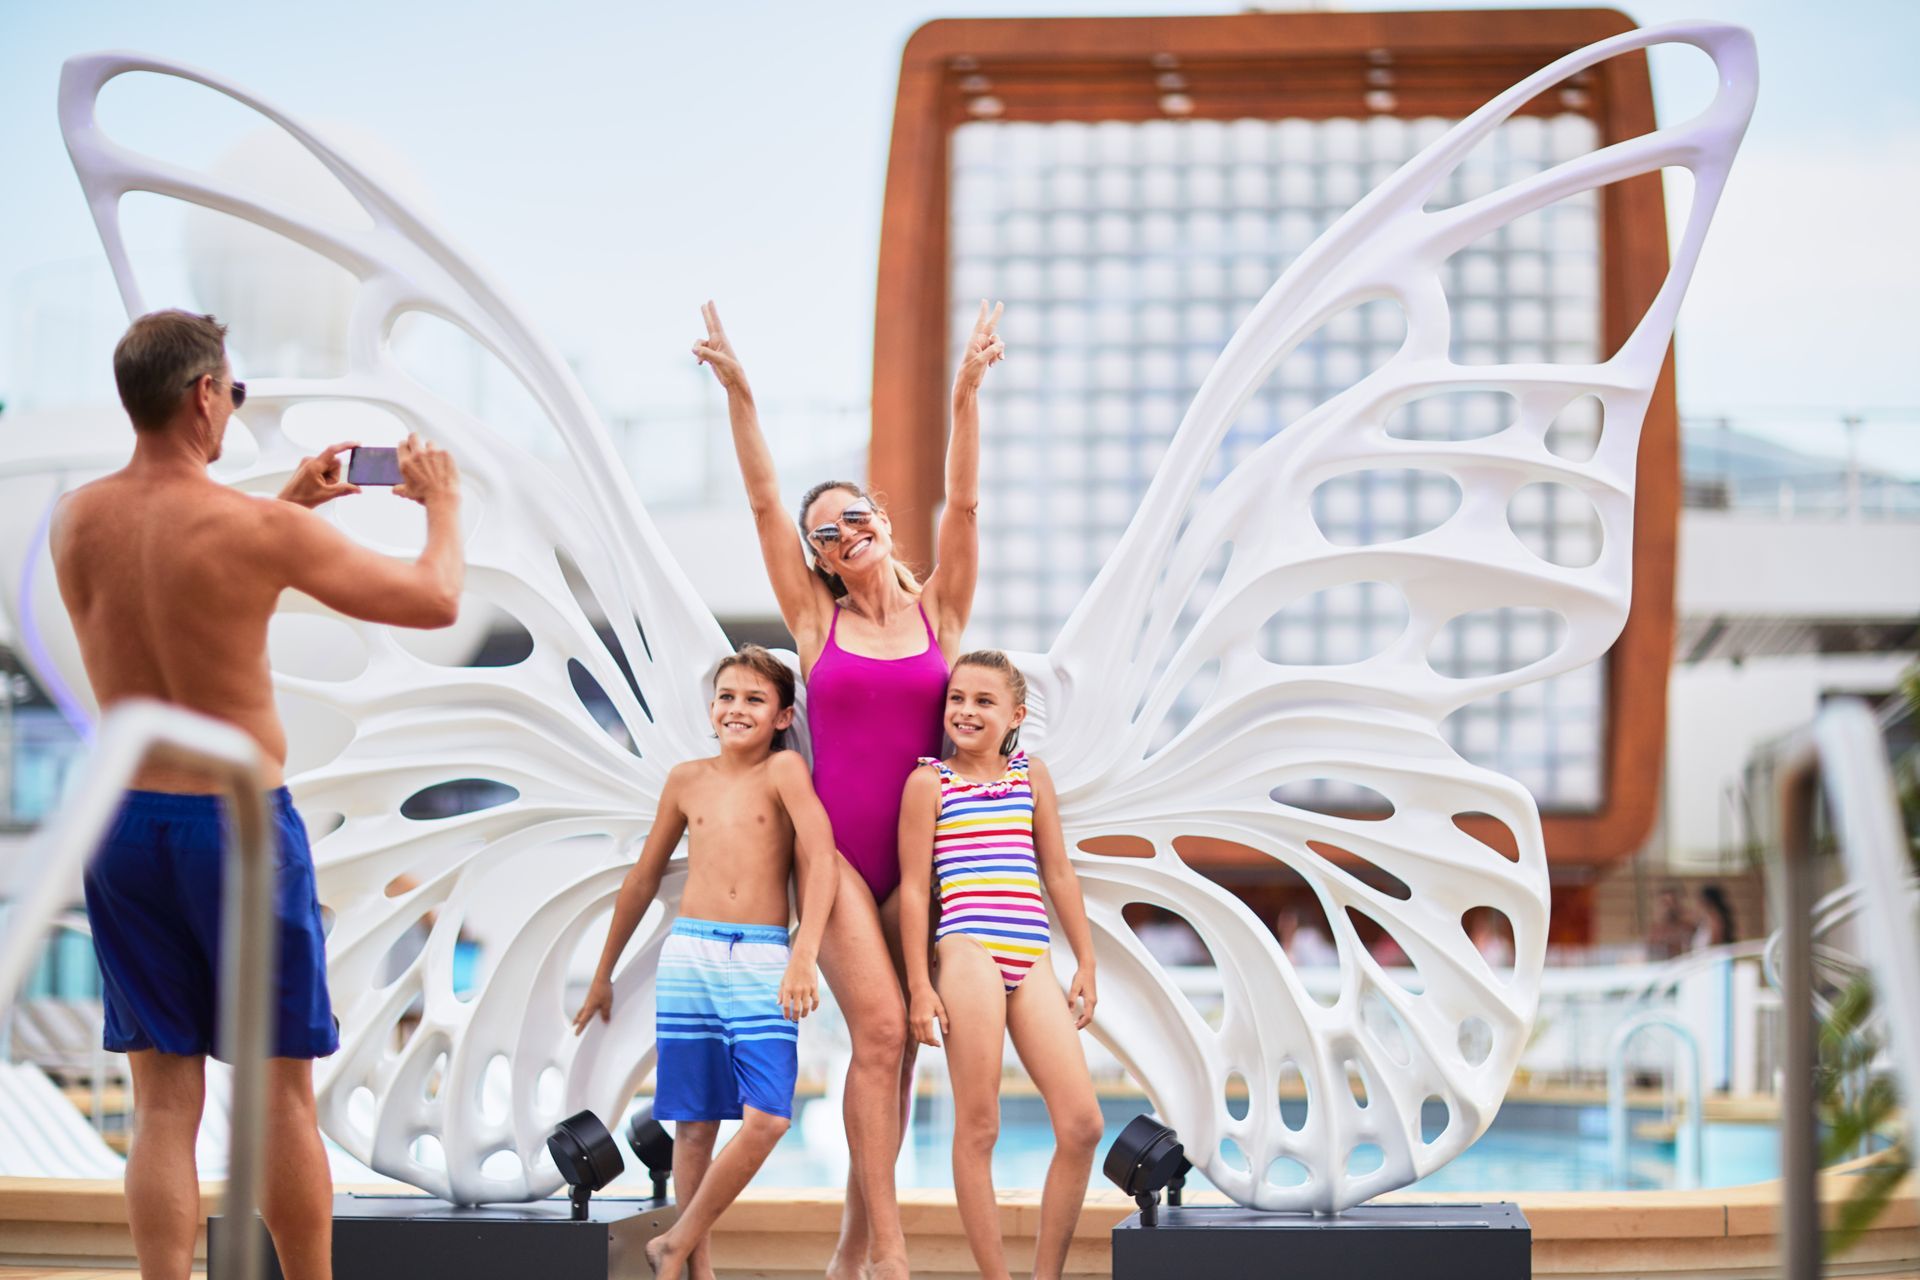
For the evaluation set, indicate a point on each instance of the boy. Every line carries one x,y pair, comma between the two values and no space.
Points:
728,1043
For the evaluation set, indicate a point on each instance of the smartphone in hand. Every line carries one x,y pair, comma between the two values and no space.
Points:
374,466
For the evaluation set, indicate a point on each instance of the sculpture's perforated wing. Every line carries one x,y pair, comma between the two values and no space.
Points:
1169,641
1167,635
562,547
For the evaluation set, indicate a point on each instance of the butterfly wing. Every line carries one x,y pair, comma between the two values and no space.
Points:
506,800
1164,720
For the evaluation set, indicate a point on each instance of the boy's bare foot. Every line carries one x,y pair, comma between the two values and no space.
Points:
888,1269
666,1265
701,1269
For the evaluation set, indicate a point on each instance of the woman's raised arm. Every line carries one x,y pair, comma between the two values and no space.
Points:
956,566
805,603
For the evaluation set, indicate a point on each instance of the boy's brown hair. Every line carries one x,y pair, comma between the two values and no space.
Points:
159,357
761,662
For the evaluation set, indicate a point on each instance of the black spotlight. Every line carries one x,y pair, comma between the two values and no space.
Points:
586,1156
654,1145
1146,1157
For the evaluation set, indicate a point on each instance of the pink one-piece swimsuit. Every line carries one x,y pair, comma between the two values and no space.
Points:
872,720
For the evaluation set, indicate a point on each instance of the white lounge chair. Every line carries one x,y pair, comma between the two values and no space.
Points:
42,1135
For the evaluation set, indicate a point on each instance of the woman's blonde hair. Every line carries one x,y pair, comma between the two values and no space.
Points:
995,660
905,575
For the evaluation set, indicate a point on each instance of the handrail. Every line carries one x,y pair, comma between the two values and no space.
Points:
1845,750
1834,966
132,734
1669,974
1873,843
1689,1148
1797,786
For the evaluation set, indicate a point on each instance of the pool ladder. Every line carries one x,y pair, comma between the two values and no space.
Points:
1689,1151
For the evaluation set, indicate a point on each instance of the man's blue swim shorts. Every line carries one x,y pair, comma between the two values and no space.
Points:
723,1042
153,899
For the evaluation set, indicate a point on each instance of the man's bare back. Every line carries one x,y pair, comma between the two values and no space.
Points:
170,595
171,579
739,839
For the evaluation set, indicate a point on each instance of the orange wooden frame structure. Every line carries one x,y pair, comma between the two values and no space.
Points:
1271,66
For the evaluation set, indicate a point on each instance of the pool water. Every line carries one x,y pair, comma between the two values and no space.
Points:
1531,1146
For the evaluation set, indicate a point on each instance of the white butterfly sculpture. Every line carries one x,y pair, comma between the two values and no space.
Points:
1141,641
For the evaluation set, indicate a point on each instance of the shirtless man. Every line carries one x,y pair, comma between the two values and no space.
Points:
730,982
170,578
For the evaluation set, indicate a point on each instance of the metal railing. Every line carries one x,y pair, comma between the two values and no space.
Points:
1801,462
1689,1144
1873,843
1845,751
133,734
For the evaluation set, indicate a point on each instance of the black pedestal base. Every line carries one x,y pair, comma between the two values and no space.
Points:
1226,1242
412,1237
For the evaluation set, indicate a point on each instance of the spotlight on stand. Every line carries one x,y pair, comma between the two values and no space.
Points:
654,1145
1146,1157
586,1156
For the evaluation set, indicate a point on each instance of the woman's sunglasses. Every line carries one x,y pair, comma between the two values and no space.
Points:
237,389
857,515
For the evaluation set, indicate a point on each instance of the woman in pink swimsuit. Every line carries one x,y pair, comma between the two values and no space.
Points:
874,646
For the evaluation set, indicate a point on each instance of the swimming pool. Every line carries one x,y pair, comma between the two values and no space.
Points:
1531,1146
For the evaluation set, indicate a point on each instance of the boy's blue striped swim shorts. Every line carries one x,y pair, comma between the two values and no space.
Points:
723,1042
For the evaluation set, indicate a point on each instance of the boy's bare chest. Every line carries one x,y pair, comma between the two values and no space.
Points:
739,853
724,816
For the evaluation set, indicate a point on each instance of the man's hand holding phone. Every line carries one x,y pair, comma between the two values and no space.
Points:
364,583
428,474
318,479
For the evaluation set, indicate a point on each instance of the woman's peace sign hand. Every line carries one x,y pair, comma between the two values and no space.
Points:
984,349
717,353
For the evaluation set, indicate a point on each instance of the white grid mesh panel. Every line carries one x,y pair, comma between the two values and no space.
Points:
1127,254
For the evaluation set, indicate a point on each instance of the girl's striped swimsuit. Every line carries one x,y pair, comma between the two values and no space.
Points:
984,864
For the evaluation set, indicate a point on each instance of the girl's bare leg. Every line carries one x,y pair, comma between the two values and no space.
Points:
970,987
1049,1048
852,953
692,1152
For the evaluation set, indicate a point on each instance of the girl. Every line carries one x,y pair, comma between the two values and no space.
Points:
985,824
874,644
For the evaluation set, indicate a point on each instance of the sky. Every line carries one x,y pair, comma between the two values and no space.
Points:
612,166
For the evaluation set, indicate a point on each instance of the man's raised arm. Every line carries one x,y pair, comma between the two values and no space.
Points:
340,573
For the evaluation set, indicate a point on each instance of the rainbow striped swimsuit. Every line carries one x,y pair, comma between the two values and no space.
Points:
984,863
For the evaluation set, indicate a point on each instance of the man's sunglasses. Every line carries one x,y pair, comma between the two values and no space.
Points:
857,515
237,389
